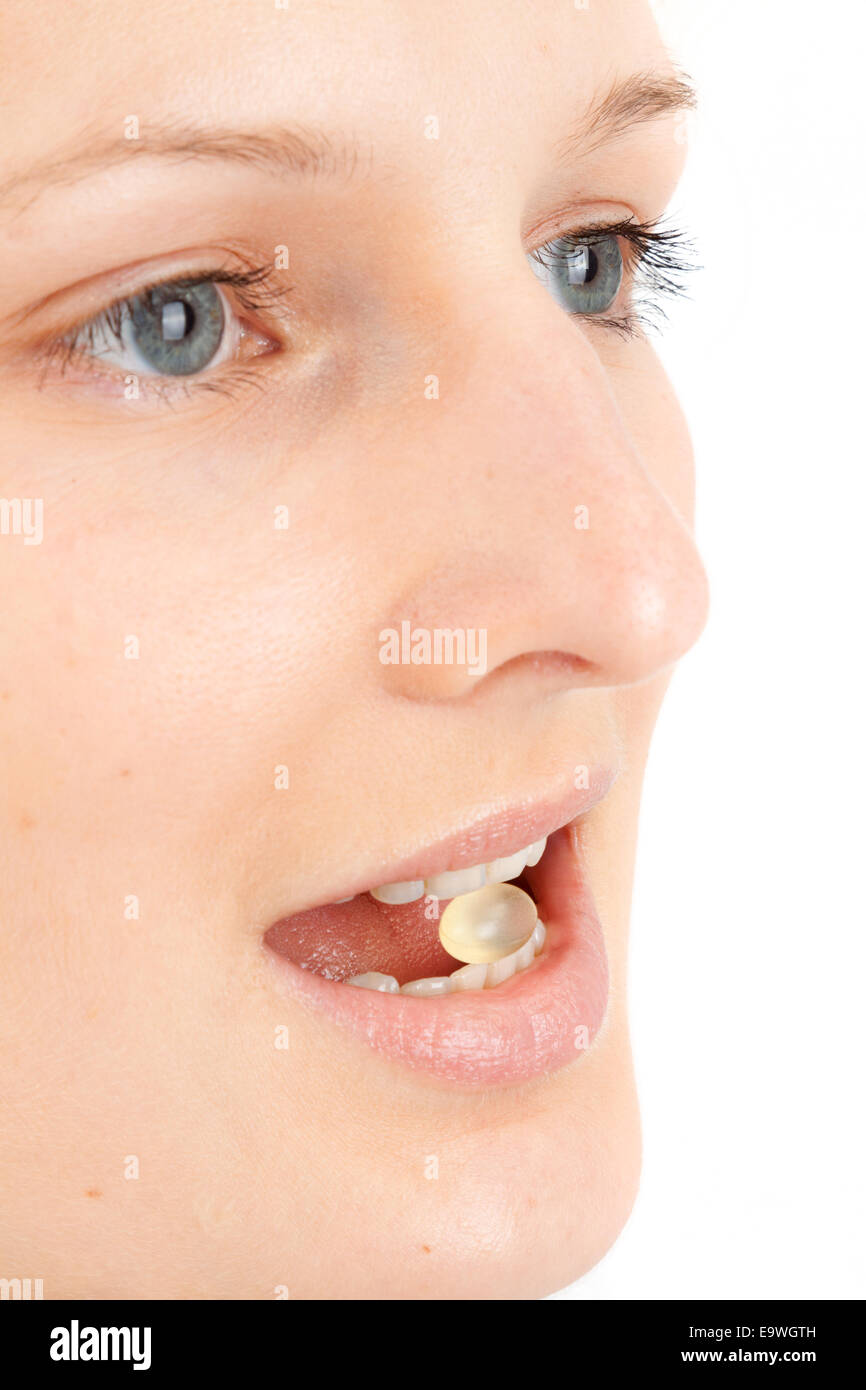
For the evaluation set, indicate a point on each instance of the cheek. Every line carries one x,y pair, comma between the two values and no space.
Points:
166,664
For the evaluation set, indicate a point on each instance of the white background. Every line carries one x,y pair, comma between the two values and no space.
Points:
748,969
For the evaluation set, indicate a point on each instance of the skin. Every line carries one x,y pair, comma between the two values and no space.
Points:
303,1169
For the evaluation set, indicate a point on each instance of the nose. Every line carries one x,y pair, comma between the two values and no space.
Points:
535,526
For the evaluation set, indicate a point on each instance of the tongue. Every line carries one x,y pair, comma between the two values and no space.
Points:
346,939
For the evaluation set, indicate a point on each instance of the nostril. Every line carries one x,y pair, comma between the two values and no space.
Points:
544,672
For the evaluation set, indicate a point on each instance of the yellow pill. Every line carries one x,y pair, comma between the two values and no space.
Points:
488,924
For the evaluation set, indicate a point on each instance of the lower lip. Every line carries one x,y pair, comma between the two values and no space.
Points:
534,1023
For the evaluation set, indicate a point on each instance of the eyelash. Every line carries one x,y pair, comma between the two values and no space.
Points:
661,258
255,290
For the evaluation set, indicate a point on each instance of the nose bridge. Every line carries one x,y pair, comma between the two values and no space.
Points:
524,398
535,520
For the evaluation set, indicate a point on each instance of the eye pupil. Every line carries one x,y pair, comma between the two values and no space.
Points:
584,277
177,320
178,330
582,266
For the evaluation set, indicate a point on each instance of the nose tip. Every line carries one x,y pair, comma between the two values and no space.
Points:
654,611
620,616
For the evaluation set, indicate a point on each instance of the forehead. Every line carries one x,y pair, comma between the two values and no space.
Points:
498,78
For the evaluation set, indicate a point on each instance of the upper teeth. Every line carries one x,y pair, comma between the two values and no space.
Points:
452,883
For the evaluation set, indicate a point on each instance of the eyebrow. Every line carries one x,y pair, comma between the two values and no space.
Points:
286,149
628,102
297,150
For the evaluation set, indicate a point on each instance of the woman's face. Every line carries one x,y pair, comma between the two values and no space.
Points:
355,409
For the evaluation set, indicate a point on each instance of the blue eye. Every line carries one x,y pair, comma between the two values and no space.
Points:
583,276
180,327
176,331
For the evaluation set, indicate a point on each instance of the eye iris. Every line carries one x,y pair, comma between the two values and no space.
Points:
585,278
178,331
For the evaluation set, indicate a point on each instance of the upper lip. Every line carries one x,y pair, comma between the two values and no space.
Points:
493,836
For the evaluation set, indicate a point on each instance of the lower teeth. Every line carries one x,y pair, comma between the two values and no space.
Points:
468,977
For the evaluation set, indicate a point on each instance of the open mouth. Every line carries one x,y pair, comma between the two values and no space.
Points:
523,990
388,939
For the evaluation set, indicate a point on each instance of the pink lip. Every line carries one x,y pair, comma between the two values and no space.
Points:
492,836
535,1023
